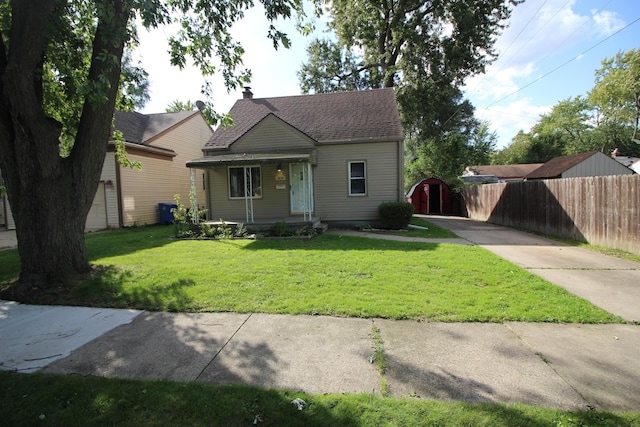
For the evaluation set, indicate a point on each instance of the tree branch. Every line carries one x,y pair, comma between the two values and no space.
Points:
38,134
94,128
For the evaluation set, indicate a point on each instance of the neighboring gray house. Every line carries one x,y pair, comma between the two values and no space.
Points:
592,163
332,157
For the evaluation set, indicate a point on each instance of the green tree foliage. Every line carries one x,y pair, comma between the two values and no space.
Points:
604,120
332,68
425,49
61,73
447,157
616,93
176,106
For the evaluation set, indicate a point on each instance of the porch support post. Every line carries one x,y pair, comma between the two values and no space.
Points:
248,195
308,191
193,197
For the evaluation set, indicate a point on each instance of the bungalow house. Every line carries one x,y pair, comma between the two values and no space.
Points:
592,163
162,144
333,157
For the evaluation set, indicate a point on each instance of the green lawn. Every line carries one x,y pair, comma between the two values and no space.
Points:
328,275
333,275
38,399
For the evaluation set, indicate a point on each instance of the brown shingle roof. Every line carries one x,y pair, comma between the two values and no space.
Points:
506,171
326,118
554,168
140,128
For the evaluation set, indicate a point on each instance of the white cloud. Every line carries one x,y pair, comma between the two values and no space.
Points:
507,120
538,39
607,22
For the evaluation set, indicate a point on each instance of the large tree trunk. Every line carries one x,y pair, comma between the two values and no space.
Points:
50,196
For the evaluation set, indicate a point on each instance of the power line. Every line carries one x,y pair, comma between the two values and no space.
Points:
563,64
510,44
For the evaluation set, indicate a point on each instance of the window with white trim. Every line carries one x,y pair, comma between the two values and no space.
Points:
244,181
357,178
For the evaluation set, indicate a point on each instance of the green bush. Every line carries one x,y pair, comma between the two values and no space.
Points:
279,229
395,215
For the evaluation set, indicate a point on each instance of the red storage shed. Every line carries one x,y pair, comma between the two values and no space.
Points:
430,196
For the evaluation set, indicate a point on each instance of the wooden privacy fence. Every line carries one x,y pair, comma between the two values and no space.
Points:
602,210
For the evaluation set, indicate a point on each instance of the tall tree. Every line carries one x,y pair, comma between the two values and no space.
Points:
446,157
616,93
425,49
49,97
436,37
332,68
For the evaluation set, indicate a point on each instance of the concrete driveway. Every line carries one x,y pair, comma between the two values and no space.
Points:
608,282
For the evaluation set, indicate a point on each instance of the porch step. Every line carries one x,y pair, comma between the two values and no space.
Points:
321,228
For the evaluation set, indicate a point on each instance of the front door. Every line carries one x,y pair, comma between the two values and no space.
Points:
301,189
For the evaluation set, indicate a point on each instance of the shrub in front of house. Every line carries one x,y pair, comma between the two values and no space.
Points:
395,215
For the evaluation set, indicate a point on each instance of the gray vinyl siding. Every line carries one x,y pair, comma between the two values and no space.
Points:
597,165
273,204
272,135
333,202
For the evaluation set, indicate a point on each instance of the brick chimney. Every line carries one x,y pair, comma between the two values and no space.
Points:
247,94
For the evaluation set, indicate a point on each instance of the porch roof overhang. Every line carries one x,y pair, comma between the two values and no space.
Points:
247,158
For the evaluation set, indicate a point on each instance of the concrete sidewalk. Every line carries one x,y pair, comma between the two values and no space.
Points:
551,365
558,366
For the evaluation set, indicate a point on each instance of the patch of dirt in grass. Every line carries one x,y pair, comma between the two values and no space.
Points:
31,294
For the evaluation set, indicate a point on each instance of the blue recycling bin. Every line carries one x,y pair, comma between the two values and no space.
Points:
166,216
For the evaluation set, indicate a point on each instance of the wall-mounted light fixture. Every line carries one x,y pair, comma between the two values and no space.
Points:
280,176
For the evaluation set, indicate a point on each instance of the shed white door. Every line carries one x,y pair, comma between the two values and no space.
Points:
97,218
301,188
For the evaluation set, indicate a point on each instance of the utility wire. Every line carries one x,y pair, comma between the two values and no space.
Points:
546,56
563,64
509,47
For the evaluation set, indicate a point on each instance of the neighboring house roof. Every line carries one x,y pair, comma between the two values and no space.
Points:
556,166
361,116
632,163
140,128
503,172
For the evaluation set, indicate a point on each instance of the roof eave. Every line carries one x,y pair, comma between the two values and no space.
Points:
134,146
361,140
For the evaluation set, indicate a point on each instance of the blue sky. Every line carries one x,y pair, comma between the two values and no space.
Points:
548,53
